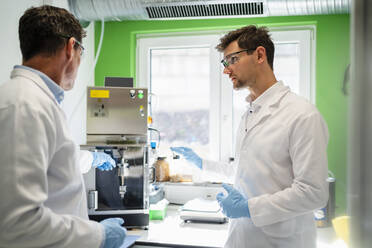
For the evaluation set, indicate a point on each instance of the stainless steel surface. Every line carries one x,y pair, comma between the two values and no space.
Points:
118,113
122,192
325,215
93,199
115,10
331,205
117,126
121,174
131,180
360,124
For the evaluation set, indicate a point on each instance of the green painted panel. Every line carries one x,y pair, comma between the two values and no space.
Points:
118,58
333,56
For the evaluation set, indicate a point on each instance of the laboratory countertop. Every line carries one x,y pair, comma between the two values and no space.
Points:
172,231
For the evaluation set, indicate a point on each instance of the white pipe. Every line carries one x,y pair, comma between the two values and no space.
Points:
99,44
110,10
307,7
91,10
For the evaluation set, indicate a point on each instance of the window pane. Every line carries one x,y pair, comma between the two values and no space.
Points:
286,69
180,99
287,65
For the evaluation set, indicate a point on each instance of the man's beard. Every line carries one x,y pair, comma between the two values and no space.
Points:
239,85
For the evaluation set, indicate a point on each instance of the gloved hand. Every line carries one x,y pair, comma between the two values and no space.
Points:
234,205
103,161
114,232
189,155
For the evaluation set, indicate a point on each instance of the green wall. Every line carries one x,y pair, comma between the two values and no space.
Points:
118,58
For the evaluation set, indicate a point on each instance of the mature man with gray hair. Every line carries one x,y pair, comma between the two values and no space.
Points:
43,200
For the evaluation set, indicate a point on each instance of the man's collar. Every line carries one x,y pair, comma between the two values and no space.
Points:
57,91
266,96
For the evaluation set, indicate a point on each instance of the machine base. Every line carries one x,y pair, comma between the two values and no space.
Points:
130,220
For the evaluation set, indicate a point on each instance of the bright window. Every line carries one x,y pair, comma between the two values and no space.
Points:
180,96
193,104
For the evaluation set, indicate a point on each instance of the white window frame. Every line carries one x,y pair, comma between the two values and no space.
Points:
306,36
145,43
221,88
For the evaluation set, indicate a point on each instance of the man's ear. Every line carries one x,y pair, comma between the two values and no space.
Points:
261,54
69,48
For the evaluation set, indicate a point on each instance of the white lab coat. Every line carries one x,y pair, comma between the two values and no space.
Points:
42,195
281,167
85,161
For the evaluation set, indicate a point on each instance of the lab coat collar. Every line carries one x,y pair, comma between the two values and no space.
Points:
267,96
264,105
35,78
57,91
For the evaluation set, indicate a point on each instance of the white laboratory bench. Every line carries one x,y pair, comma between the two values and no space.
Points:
174,232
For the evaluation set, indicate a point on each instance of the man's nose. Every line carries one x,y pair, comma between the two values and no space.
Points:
226,70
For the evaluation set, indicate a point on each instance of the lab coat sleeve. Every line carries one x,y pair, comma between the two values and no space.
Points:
86,161
224,169
308,139
26,141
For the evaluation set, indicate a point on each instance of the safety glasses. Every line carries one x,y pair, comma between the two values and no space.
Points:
233,58
82,49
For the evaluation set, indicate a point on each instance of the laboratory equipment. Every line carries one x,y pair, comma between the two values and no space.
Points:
162,169
325,215
118,82
202,210
158,210
117,125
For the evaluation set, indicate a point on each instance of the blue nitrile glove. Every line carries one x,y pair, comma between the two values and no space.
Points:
189,155
114,232
103,161
234,205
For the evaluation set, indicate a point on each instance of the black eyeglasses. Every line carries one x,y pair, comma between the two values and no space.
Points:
77,42
230,59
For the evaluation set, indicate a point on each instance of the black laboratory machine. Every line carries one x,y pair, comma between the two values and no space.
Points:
117,125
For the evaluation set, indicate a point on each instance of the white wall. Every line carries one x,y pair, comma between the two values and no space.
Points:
75,105
10,55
